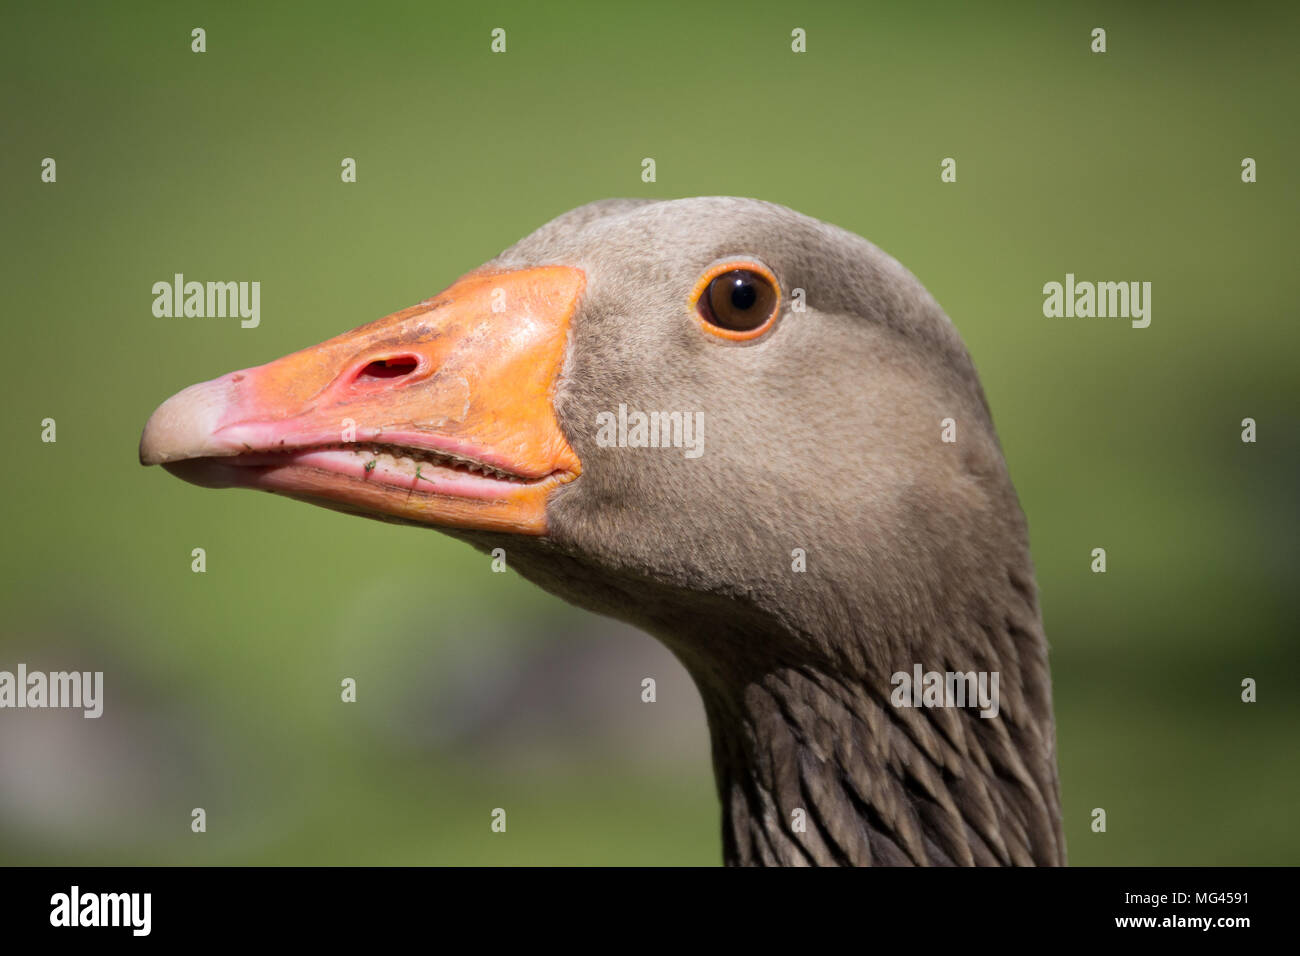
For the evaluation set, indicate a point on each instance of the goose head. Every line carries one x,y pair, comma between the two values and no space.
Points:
749,432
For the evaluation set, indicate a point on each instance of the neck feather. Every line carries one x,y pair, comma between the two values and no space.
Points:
815,762
818,764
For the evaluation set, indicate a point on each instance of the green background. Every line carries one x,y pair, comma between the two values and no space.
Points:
476,689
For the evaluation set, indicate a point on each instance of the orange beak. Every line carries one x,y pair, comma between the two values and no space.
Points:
440,414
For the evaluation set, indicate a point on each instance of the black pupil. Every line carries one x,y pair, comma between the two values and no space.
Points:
743,293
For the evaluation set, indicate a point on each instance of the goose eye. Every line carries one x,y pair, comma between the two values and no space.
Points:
738,302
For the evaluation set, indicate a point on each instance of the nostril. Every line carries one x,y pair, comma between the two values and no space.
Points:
388,368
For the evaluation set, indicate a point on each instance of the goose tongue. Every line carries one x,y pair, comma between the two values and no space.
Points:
440,414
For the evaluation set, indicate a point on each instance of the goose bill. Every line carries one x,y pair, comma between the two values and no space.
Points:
441,414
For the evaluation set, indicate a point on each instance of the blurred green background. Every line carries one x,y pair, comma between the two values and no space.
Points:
478,690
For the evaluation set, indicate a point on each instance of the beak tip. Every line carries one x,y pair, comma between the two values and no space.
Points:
183,426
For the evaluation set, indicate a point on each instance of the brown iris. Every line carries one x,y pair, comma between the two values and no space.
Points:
739,300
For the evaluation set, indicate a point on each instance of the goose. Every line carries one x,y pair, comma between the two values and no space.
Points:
840,517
